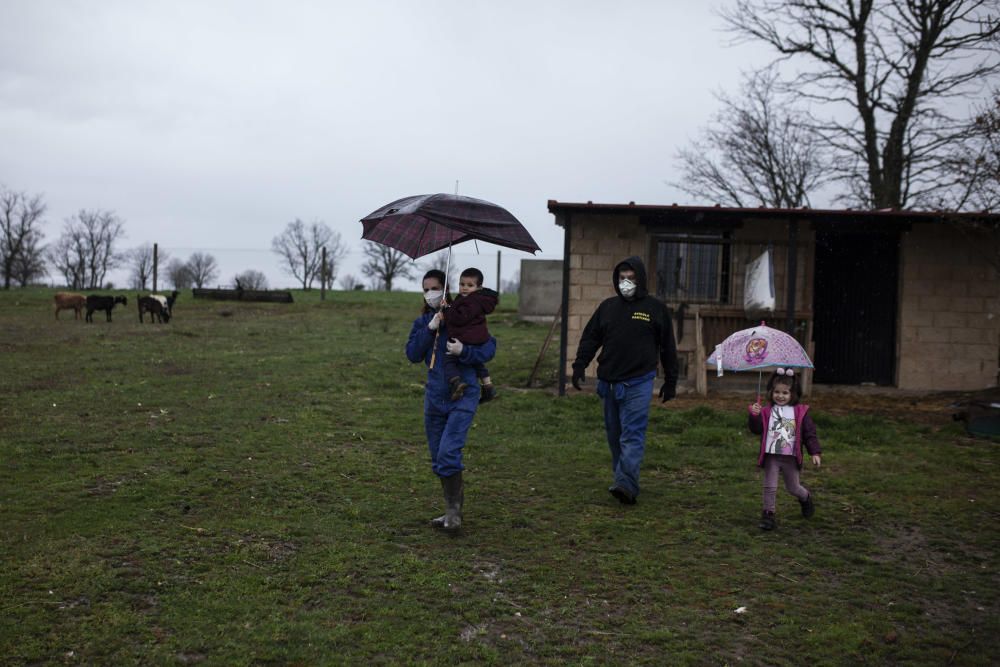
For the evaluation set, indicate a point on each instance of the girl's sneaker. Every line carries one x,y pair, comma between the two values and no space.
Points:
767,521
808,509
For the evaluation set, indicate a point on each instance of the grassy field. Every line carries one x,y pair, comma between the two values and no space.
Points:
249,484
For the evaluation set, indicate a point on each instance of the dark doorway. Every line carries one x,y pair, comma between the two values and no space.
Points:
854,311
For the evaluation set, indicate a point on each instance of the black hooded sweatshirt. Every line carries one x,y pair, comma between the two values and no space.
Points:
631,334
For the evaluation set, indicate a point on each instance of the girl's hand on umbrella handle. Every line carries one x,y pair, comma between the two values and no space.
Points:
755,409
435,322
815,458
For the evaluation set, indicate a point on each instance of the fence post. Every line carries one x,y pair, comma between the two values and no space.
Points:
322,279
156,256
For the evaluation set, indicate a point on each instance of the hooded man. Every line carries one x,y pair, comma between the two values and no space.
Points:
633,331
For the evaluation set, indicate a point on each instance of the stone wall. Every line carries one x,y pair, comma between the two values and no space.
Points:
949,333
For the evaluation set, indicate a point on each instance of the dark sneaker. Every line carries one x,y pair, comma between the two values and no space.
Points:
808,509
767,521
457,388
487,393
623,496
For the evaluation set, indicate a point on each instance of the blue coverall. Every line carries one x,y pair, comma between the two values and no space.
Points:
446,421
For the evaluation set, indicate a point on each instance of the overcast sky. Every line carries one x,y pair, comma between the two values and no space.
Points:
210,125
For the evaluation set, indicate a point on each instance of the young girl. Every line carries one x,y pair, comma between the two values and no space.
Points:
784,428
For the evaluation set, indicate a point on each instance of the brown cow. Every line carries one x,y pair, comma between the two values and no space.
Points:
69,300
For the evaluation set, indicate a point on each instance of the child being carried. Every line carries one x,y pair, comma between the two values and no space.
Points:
466,322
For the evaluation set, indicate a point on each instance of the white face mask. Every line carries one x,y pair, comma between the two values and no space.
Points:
626,287
433,297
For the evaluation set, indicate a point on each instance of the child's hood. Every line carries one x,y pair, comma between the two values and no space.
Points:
489,299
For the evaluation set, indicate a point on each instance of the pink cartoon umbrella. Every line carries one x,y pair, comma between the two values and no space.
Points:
758,349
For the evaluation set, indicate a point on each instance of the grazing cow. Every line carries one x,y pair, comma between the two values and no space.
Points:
70,301
155,307
105,303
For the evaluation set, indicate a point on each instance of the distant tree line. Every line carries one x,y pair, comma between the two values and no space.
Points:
87,251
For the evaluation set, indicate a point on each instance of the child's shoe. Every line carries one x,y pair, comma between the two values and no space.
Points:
487,393
457,388
808,509
767,521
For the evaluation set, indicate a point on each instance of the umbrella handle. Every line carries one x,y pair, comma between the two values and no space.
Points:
444,298
434,348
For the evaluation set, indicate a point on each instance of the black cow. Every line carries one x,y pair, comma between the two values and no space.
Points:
105,303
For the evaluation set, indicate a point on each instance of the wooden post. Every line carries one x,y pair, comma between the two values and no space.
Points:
322,278
701,373
564,308
545,346
156,256
793,256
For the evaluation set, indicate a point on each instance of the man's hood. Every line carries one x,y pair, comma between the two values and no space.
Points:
640,276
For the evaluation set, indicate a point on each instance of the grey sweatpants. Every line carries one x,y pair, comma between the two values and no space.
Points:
789,469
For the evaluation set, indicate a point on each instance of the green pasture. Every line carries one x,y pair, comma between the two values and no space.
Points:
249,484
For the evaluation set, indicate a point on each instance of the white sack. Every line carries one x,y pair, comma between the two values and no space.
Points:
758,289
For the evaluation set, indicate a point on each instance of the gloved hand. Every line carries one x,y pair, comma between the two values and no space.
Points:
454,346
579,376
435,322
667,392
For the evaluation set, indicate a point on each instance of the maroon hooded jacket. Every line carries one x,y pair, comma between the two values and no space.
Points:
466,318
805,431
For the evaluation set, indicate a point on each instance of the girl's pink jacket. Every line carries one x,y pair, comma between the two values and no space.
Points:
805,431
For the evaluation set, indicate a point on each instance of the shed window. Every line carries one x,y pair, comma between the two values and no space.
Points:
693,268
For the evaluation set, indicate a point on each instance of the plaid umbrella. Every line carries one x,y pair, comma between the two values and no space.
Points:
423,224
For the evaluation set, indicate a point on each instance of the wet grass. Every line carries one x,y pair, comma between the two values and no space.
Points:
249,484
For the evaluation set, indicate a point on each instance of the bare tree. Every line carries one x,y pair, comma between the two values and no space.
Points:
349,282
202,268
754,152
87,248
882,79
20,236
335,252
29,265
140,261
384,264
301,248
69,257
977,163
250,279
179,274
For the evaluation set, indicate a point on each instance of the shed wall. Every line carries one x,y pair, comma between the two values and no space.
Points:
949,333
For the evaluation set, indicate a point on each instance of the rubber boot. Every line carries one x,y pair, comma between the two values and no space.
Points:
454,496
438,522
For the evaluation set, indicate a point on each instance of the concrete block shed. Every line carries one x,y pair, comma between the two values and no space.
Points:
904,299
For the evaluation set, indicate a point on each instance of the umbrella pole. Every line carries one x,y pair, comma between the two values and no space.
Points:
444,300
759,374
